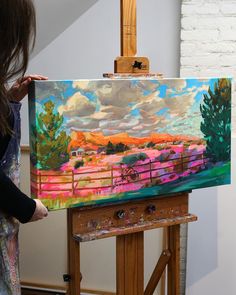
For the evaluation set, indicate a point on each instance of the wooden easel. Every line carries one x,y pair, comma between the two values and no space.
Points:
127,221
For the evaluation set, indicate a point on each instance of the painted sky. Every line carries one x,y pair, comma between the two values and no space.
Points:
138,107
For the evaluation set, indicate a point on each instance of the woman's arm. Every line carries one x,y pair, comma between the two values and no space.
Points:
15,203
12,200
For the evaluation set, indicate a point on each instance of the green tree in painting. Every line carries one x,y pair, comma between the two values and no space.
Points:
121,147
216,124
51,143
151,144
110,148
116,148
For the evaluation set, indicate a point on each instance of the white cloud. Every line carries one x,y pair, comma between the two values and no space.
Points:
151,104
122,92
204,87
116,100
81,84
77,105
128,123
82,124
178,84
116,112
179,105
100,116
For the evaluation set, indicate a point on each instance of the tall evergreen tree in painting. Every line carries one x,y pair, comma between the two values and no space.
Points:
216,124
51,143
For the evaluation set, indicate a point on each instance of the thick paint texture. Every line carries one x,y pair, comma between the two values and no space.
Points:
97,141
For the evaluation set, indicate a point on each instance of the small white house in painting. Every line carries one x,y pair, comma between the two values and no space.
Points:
77,152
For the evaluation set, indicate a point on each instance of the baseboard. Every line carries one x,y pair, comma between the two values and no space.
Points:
95,292
43,289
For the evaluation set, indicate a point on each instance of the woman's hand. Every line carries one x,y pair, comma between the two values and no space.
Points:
20,88
40,211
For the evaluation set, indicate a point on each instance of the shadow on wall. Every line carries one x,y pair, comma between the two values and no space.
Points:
202,235
59,15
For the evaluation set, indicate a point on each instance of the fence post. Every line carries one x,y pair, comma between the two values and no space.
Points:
40,189
112,177
182,163
150,166
73,179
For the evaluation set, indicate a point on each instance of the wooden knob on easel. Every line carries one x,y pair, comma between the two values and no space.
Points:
151,208
120,214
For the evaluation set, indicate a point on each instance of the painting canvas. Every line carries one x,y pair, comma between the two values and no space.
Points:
108,140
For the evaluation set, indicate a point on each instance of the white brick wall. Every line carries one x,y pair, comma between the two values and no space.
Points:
208,39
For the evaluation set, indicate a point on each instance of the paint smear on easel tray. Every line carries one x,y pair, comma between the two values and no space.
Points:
98,141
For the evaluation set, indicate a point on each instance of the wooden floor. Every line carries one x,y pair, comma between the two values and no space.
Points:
37,292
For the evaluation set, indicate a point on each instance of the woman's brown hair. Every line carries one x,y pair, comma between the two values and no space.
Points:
17,37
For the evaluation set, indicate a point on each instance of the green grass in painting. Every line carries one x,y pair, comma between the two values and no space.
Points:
218,175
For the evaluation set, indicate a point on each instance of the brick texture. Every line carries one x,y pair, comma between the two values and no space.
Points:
208,40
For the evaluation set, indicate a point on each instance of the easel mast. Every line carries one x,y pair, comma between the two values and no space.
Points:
129,220
128,28
128,63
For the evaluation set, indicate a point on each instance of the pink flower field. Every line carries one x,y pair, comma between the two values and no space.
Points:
105,175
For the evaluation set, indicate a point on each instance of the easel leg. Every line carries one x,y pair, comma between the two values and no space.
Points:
157,273
130,264
174,263
73,259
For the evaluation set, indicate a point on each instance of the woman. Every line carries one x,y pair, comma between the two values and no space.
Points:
17,36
